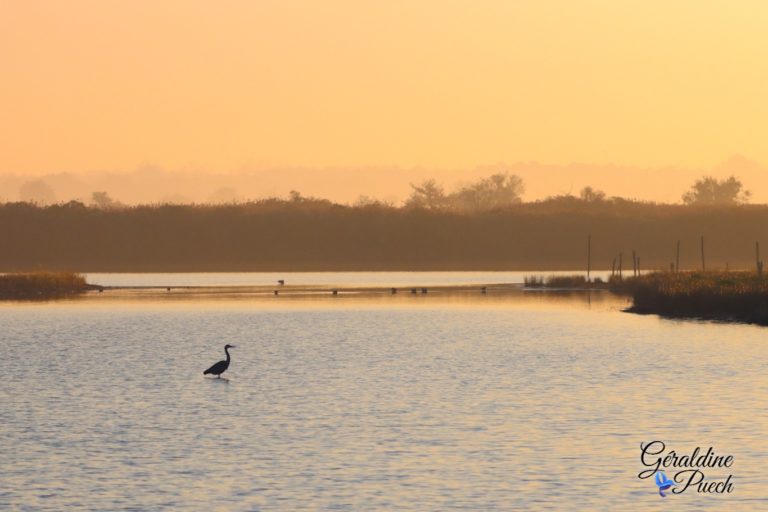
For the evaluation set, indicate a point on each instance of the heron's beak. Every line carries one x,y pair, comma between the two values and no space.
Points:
232,346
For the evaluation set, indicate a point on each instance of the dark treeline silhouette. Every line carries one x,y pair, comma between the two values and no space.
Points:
313,234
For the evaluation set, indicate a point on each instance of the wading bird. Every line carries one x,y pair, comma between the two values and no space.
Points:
220,367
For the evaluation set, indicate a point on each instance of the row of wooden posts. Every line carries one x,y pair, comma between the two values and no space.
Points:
674,267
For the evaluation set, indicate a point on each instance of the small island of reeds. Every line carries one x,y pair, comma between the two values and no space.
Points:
569,282
41,285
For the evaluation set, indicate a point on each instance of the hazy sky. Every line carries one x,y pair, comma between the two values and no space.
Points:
227,84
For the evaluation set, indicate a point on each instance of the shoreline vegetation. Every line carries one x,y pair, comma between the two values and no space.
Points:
572,282
42,285
316,235
731,296
739,296
481,225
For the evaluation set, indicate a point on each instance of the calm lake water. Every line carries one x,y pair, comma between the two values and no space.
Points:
528,401
384,279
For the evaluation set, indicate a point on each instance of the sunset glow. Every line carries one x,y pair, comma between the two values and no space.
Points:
108,85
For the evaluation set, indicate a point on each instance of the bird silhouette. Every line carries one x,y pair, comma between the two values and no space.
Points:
220,367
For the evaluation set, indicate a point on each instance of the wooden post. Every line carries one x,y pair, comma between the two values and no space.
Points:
703,263
677,258
758,263
634,264
613,267
638,266
589,255
620,265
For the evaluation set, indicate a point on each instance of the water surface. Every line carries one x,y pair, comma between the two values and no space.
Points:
531,401
342,279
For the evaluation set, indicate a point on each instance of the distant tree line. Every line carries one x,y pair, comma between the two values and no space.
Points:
497,191
303,233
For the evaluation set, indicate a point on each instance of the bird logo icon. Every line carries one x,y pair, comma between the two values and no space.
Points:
663,483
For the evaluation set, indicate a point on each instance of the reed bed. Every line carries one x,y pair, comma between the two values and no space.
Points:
41,285
577,281
740,296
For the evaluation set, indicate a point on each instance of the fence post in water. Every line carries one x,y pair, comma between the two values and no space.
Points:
757,259
703,264
613,266
589,255
638,266
677,258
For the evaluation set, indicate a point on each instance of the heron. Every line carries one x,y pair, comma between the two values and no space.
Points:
220,367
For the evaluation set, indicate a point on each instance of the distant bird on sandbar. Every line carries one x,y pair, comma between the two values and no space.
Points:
220,367
281,282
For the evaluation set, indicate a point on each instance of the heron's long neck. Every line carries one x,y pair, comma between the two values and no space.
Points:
226,351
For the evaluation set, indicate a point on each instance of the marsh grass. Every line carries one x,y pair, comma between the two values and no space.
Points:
41,285
738,295
572,281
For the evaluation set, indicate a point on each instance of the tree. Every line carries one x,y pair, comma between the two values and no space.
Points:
592,195
364,201
495,191
37,192
103,201
429,194
711,191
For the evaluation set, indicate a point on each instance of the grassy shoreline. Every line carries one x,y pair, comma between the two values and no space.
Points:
41,285
731,296
739,296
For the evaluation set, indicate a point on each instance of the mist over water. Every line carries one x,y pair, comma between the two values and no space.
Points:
529,401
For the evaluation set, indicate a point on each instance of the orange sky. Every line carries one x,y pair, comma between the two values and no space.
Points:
107,84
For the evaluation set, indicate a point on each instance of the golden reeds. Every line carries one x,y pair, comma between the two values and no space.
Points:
33,285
